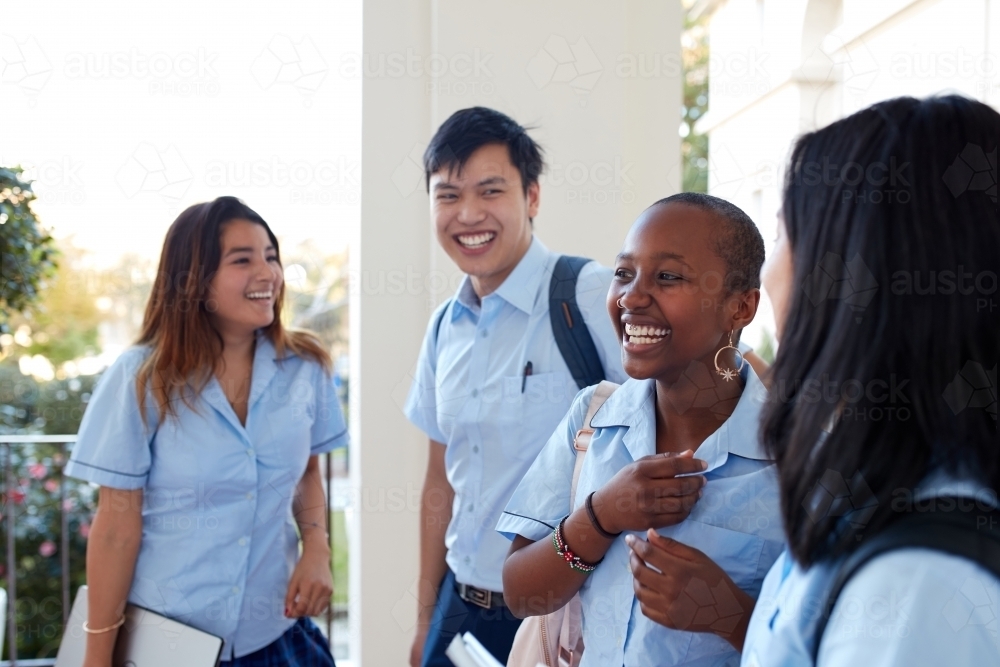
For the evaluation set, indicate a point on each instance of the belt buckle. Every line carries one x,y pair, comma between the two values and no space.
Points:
479,597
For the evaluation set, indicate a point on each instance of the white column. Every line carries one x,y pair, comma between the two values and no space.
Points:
601,82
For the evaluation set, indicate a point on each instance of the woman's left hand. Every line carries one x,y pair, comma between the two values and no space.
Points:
311,585
689,592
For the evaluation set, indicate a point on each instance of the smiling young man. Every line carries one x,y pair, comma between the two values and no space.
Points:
492,382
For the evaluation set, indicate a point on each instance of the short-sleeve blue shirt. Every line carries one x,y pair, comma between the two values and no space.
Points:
736,522
470,394
219,542
909,606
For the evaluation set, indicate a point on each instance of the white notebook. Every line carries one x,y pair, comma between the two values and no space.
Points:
146,639
466,651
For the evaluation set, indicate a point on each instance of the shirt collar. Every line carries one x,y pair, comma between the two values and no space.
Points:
265,366
633,405
520,289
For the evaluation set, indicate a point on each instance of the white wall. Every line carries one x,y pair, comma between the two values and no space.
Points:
814,61
610,132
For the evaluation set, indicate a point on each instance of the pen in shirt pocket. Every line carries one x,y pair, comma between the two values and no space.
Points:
524,375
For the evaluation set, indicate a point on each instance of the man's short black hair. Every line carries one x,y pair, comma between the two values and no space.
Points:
468,130
741,246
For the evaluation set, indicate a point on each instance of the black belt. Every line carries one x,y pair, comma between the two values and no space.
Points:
479,596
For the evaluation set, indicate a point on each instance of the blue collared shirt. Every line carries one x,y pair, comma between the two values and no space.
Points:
737,522
219,541
905,607
467,394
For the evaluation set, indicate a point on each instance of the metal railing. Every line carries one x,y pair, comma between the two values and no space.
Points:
8,442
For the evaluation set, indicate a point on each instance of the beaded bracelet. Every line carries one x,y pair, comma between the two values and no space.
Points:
564,552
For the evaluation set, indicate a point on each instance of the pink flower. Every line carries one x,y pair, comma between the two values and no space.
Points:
38,470
51,485
84,530
17,496
47,548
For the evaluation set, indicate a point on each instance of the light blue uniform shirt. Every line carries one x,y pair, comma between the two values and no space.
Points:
906,607
219,541
467,395
737,522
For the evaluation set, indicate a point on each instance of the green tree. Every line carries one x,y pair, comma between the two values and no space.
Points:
27,252
694,146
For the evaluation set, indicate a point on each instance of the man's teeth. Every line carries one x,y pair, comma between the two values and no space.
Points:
476,240
645,335
259,295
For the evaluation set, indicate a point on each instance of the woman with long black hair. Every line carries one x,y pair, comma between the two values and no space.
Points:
882,396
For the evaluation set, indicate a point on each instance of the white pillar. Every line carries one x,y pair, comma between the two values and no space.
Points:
601,81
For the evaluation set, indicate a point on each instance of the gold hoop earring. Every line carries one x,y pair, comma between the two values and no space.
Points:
729,373
620,304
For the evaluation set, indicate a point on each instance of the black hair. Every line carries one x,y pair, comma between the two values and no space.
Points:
886,372
740,246
468,130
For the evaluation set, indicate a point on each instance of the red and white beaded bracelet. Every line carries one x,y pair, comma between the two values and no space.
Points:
564,552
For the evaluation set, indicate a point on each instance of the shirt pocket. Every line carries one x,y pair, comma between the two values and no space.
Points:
735,552
534,413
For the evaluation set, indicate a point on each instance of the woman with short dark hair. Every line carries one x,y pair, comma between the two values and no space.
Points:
882,412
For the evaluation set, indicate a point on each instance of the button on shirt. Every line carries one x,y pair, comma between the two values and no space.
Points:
219,541
905,607
737,521
467,394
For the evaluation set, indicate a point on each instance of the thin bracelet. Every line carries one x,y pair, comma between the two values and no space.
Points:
120,623
593,518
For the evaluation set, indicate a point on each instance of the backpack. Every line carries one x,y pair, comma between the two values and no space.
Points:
973,535
556,639
575,342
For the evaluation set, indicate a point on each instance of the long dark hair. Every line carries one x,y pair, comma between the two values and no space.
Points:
887,363
185,345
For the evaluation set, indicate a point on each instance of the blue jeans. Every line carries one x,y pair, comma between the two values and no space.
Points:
494,628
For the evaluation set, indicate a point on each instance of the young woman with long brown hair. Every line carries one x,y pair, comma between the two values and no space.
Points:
204,439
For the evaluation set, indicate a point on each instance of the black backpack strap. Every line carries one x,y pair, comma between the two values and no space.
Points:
572,336
956,529
440,319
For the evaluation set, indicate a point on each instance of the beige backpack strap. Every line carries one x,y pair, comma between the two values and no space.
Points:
582,441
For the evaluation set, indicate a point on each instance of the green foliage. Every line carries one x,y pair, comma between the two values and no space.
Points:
694,147
27,252
338,536
55,407
767,347
64,322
